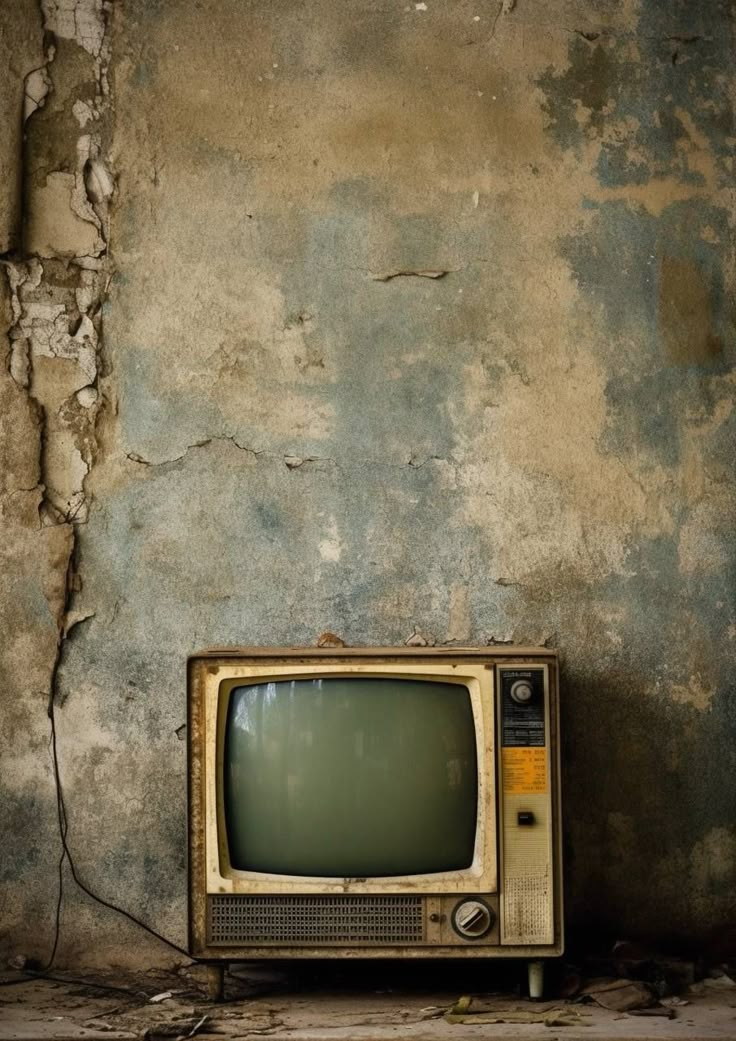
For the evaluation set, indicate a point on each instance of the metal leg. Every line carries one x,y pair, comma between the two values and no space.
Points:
535,970
216,981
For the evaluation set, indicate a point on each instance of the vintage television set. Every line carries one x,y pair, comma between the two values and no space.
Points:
395,802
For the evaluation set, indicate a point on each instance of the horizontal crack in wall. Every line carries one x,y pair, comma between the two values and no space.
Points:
291,461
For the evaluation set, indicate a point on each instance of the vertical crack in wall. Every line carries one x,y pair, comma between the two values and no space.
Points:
58,278
54,277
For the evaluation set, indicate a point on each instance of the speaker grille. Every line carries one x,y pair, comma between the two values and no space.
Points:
528,910
315,919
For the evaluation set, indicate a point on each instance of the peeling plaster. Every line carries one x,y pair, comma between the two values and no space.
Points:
55,227
420,639
52,287
60,282
55,345
79,20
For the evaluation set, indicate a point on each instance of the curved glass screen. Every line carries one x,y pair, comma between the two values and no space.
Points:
343,777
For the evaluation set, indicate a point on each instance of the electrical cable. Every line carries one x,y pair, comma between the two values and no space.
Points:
29,975
66,854
63,829
61,816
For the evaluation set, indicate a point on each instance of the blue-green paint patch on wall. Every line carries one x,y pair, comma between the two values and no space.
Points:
617,260
647,95
661,284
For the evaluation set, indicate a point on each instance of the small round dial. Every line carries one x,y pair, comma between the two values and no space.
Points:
522,692
472,919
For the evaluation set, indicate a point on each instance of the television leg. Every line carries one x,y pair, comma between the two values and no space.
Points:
216,981
535,970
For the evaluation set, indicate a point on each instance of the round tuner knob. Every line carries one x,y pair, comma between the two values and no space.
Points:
472,919
521,692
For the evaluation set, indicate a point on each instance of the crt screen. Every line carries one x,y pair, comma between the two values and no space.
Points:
350,777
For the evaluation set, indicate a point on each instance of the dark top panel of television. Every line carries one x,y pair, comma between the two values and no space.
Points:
489,653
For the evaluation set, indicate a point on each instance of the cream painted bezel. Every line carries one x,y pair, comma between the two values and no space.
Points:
480,877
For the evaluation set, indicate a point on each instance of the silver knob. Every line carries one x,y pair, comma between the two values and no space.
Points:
521,692
472,919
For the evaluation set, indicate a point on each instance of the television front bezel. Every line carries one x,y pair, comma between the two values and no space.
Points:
481,876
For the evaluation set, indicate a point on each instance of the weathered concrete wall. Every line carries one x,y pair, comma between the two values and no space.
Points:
418,320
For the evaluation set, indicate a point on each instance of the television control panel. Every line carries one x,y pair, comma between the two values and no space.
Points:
527,881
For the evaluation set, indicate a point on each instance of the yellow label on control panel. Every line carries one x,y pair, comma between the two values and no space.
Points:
524,771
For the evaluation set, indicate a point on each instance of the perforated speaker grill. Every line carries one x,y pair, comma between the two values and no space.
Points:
237,920
528,910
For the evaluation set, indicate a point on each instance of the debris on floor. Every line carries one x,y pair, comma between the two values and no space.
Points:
658,1011
673,1001
619,995
468,1010
359,1002
178,1029
719,982
665,973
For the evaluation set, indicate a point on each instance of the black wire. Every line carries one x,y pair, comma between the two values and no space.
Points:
61,816
57,916
30,975
67,855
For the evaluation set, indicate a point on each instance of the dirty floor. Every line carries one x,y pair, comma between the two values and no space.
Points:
347,1002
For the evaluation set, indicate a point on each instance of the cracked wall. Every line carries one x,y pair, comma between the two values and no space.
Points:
53,278
416,327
